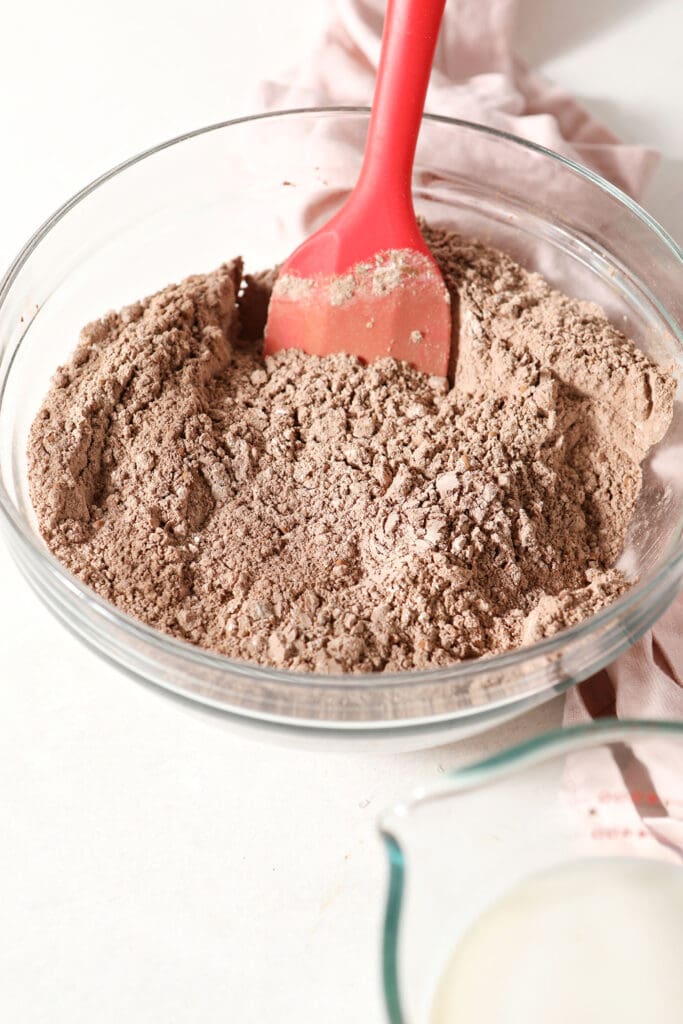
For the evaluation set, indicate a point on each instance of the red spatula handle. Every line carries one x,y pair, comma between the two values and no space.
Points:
411,28
378,215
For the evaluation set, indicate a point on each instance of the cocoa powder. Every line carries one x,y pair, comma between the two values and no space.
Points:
317,514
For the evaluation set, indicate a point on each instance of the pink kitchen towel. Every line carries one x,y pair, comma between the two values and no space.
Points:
477,77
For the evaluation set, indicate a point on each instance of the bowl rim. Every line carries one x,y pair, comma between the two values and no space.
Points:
348,682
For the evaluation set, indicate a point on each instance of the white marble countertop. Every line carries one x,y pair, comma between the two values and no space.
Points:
154,867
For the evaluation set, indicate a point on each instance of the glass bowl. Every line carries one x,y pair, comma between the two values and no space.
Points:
255,187
571,798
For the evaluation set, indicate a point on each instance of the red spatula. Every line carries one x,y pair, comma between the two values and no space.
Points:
365,283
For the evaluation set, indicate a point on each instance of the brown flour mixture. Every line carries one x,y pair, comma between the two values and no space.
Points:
319,514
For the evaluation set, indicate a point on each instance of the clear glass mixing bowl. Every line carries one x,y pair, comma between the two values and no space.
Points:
605,790
255,187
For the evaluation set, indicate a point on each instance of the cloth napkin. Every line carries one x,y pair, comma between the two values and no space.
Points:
477,77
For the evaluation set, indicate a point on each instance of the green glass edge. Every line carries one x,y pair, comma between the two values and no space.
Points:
392,918
574,736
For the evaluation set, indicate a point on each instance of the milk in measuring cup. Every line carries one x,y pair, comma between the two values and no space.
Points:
597,940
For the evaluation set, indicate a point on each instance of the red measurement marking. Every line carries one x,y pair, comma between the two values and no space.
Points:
619,833
639,797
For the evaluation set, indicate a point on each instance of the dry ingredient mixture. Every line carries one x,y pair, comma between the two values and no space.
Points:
320,514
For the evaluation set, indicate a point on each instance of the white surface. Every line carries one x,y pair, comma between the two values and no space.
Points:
152,866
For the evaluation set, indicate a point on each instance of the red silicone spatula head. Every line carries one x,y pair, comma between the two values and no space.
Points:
365,283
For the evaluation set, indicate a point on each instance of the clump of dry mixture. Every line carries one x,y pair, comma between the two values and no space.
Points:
319,514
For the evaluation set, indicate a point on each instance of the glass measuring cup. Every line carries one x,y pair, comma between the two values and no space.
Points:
597,798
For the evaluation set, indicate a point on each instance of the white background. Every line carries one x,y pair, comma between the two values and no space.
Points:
154,868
